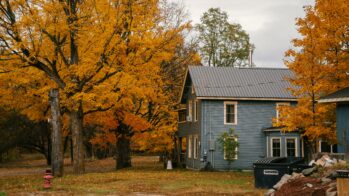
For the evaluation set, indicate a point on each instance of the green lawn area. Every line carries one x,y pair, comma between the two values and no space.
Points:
146,177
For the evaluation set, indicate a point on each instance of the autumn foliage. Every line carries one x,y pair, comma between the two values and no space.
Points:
320,62
110,60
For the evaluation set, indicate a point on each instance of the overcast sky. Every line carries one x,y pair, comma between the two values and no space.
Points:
270,23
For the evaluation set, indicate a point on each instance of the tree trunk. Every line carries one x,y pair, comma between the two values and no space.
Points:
123,152
57,148
71,151
49,151
76,125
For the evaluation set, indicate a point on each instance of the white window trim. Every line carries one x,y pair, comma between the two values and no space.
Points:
236,150
196,113
295,143
196,147
331,146
278,104
271,145
190,146
235,112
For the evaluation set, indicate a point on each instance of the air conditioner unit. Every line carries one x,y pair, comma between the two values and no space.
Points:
188,118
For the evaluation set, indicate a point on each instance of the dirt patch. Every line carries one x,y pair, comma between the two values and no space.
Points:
304,186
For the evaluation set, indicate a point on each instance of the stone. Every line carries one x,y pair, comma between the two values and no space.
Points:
308,171
335,161
270,192
334,193
309,185
325,180
331,175
325,156
328,164
312,162
320,162
282,181
332,185
342,162
296,175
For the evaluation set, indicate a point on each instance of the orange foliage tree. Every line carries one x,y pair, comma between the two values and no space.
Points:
101,55
319,62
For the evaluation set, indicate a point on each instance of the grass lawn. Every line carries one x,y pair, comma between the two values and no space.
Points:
146,177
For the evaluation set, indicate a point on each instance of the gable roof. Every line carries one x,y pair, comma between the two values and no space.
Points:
240,83
338,96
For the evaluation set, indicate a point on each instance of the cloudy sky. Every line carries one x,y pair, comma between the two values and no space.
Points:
270,23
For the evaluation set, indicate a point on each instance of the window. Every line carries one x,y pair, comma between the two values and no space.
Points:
182,115
226,155
291,147
278,105
196,147
275,147
190,148
196,113
230,113
325,147
190,111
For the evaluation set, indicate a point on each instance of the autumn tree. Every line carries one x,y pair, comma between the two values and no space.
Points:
319,62
222,44
80,45
144,117
102,56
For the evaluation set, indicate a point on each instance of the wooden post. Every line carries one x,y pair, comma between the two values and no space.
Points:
343,186
57,148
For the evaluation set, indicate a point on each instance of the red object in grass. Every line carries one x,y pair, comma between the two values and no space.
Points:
47,179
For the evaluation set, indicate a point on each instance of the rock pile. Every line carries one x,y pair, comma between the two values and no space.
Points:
320,179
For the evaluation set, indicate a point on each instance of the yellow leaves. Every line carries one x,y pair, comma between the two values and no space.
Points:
319,66
121,48
103,139
136,122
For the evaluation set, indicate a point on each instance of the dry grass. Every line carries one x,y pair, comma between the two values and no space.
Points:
146,177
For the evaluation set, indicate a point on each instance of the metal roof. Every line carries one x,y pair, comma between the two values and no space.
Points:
338,96
248,83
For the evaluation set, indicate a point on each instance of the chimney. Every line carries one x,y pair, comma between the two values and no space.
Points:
250,62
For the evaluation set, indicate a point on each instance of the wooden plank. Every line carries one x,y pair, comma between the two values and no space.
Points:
343,186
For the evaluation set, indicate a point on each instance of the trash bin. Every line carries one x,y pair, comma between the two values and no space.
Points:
268,171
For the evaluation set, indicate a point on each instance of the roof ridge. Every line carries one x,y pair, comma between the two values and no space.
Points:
259,68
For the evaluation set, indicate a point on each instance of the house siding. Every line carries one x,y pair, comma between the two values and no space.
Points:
342,125
192,128
252,117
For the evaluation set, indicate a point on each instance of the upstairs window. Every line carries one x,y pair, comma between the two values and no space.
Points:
230,113
278,106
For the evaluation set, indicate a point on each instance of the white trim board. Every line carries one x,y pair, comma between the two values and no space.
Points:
235,112
247,98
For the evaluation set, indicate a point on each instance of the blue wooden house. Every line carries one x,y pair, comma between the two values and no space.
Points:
216,99
340,97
